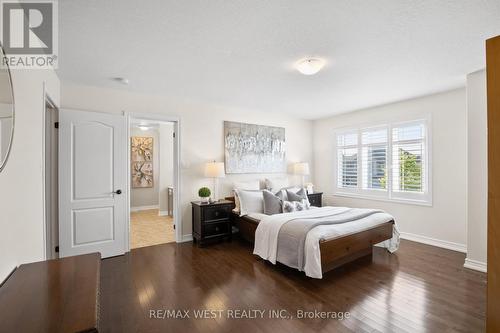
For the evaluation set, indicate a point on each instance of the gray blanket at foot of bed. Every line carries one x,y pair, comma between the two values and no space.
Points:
292,235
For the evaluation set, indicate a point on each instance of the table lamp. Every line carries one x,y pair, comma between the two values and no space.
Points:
215,170
301,169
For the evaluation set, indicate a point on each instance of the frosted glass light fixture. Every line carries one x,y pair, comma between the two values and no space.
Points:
310,66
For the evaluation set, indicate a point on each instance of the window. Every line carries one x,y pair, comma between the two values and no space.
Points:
385,162
374,158
407,158
348,160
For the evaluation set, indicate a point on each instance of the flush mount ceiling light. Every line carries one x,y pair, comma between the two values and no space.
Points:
310,66
143,127
121,80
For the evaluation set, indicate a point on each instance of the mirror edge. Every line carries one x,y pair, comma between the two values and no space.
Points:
4,162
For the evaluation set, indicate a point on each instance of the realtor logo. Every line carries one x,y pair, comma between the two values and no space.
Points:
29,34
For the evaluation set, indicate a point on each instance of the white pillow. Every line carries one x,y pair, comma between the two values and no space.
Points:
253,185
250,201
275,184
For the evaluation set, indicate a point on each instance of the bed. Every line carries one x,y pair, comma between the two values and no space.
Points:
349,241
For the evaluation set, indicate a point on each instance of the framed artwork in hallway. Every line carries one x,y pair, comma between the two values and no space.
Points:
142,162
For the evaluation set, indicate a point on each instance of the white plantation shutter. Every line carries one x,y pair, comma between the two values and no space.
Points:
347,159
348,167
374,158
347,139
389,162
408,158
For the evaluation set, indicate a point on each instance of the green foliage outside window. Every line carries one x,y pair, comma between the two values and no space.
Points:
410,172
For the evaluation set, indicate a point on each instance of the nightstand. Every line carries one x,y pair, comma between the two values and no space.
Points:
211,221
316,199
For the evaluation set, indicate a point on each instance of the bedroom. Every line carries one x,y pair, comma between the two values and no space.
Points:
394,119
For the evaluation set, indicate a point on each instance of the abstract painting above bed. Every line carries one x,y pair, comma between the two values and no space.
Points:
250,148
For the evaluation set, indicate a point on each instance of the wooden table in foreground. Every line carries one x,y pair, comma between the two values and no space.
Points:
59,295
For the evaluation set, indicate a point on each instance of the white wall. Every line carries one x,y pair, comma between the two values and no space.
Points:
166,164
21,182
201,138
477,170
445,221
148,196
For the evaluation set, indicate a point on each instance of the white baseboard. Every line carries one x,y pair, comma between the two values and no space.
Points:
186,238
163,213
475,265
435,242
139,208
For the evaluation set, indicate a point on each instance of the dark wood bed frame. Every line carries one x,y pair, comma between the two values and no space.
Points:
334,252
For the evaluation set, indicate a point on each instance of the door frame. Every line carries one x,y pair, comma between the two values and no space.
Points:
49,251
177,158
49,243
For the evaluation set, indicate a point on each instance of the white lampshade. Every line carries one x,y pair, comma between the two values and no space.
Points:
301,168
214,170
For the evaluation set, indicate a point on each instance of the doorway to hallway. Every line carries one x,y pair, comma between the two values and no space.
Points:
151,182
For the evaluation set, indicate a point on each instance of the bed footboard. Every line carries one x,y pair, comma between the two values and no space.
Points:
339,251
334,252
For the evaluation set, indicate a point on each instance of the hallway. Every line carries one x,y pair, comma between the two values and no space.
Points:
147,228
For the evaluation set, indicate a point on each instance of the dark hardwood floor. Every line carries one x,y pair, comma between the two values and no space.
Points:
419,288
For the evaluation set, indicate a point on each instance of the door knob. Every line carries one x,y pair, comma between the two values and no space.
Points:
118,192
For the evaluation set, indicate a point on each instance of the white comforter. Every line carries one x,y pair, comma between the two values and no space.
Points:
266,235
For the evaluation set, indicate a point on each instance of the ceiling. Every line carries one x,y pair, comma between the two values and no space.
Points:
240,54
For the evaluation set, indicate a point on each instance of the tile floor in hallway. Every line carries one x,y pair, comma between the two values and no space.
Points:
147,228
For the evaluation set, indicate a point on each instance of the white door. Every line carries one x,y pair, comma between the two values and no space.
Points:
92,183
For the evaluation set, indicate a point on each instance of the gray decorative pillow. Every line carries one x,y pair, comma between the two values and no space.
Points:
272,203
281,194
295,206
297,196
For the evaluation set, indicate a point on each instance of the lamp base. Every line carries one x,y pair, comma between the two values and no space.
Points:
215,196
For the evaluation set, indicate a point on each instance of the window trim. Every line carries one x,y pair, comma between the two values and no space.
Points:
388,195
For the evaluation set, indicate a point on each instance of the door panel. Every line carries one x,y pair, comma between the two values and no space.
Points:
92,167
93,160
93,225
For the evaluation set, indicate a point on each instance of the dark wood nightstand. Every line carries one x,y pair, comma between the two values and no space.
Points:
211,221
316,199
